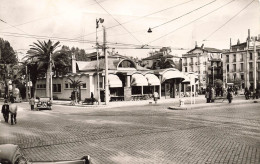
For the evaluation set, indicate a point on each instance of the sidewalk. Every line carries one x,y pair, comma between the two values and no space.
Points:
200,102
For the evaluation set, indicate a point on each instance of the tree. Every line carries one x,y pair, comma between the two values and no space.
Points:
163,62
76,86
44,54
7,60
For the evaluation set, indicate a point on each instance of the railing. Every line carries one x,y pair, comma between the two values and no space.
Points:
184,64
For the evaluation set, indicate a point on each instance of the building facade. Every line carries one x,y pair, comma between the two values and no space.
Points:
241,64
126,80
206,62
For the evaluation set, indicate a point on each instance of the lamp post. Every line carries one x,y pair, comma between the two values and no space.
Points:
106,66
213,76
100,20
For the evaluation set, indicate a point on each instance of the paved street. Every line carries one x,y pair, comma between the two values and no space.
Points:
145,133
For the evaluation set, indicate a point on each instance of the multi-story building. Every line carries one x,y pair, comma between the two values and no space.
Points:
155,56
205,62
241,63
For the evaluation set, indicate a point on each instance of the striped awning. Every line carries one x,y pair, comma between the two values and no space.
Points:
138,80
152,79
114,81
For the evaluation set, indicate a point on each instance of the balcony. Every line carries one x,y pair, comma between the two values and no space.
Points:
190,63
184,64
241,60
234,60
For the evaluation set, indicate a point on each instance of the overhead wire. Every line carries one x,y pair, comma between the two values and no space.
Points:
68,39
229,20
183,15
117,21
140,17
42,18
191,22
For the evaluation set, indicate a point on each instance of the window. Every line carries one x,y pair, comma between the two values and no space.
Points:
234,68
56,87
250,76
227,58
241,67
66,85
258,55
251,56
227,68
242,77
234,58
241,58
84,85
41,86
250,65
186,69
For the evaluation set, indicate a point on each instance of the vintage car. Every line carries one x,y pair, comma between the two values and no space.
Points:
12,154
44,103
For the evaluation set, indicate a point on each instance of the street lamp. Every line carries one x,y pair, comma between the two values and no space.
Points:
149,30
100,20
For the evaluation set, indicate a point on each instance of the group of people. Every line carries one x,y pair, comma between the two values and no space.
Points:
9,109
210,94
251,93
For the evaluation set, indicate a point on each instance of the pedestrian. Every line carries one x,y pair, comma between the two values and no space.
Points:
5,111
13,113
230,96
207,95
155,97
32,103
92,98
246,93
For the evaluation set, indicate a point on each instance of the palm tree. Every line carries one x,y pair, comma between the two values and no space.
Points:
75,85
163,62
45,55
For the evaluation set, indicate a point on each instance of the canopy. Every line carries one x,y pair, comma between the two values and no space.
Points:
114,81
152,79
138,80
186,79
171,74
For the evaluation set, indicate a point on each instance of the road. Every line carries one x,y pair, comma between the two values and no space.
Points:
226,133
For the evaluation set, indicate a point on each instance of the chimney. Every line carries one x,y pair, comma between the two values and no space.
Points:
113,51
196,45
248,35
73,63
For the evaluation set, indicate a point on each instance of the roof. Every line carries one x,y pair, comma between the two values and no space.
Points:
157,56
208,49
112,64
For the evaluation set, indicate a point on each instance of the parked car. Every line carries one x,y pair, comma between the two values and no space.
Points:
44,103
12,154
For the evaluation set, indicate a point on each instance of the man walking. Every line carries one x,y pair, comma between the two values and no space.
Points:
13,112
5,111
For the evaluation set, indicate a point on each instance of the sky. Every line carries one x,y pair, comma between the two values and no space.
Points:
178,24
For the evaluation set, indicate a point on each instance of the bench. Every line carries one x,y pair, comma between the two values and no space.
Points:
89,101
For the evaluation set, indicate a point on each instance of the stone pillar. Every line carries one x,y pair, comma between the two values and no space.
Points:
179,90
128,81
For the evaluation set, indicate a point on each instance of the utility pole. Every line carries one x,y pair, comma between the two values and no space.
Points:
106,66
26,80
51,78
254,64
97,47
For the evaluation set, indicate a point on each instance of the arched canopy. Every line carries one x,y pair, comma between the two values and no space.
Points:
152,79
172,74
126,64
114,81
138,80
